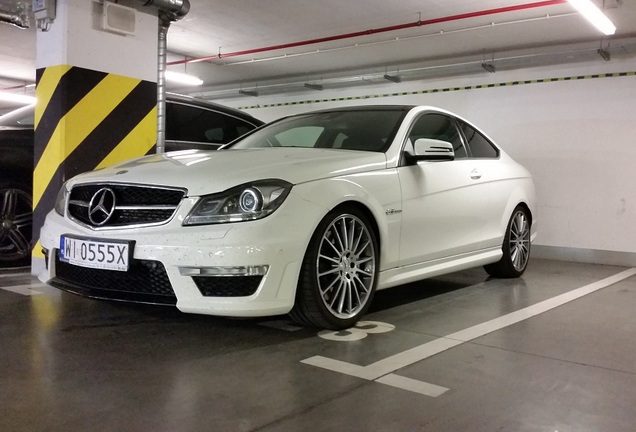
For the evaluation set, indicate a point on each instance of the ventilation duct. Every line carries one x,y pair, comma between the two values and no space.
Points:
169,11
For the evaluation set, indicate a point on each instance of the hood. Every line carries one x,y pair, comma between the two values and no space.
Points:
204,172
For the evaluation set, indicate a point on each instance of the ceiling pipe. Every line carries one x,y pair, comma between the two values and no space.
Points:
17,15
419,73
394,40
419,23
18,87
169,11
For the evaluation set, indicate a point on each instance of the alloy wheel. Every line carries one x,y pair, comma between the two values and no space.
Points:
16,218
345,267
519,241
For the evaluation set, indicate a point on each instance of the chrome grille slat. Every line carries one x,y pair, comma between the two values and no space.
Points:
78,203
145,207
134,206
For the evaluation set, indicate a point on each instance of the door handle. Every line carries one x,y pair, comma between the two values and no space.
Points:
475,174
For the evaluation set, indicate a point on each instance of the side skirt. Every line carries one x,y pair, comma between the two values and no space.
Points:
401,275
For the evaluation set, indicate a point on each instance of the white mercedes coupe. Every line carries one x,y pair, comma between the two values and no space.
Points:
308,215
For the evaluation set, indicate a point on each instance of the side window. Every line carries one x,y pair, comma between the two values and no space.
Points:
305,136
439,127
195,124
479,146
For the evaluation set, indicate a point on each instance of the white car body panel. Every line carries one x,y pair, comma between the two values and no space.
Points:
443,210
223,245
431,217
194,169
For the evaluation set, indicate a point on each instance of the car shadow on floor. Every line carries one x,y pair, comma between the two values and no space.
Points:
76,313
426,289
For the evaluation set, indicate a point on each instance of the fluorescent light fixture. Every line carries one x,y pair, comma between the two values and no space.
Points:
594,15
605,54
489,67
252,93
182,78
393,78
18,98
318,87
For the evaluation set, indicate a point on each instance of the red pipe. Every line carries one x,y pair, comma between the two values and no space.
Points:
374,31
21,86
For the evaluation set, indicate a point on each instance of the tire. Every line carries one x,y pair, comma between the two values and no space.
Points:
516,247
339,272
16,220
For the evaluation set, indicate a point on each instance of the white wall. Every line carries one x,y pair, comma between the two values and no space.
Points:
577,137
76,38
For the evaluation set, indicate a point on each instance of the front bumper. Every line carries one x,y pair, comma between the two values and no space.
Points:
242,269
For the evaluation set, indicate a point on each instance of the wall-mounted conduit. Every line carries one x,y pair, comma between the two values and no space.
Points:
169,11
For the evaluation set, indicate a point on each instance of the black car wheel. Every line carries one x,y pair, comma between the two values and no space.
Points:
16,218
339,272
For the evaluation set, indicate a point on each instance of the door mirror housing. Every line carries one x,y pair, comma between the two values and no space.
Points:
427,149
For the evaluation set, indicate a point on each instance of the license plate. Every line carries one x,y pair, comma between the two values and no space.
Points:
107,255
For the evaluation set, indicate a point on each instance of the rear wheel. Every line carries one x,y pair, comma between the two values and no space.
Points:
516,247
339,272
16,218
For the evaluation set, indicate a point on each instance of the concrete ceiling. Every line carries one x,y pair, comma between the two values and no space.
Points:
511,33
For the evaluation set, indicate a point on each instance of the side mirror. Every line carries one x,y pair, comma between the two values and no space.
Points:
427,149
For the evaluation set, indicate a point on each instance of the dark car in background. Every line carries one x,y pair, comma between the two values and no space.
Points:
196,124
190,124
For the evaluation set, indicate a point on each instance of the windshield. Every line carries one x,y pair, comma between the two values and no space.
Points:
365,130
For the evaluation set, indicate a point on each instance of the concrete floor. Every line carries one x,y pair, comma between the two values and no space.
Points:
466,354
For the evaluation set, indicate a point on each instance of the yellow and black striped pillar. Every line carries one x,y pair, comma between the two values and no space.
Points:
86,119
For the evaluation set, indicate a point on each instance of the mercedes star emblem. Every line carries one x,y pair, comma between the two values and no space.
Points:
101,207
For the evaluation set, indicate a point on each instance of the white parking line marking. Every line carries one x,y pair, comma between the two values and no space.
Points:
27,290
340,366
348,335
361,330
384,367
415,386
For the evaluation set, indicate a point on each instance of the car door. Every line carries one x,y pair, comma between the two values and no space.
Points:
444,202
485,157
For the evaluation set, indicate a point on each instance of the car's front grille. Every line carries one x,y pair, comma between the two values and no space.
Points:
120,205
145,281
227,286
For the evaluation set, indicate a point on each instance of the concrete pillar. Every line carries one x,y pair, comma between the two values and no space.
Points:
96,96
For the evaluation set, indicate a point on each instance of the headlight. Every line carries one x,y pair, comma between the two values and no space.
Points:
243,203
60,201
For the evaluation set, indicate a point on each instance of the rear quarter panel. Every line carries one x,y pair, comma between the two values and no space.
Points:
511,185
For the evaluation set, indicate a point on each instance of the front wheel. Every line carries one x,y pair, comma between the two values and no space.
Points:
516,247
339,272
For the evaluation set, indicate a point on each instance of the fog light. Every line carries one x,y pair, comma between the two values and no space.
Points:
225,271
